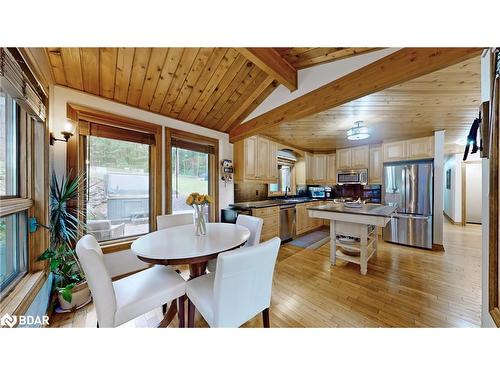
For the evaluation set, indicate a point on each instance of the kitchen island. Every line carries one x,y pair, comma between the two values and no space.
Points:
359,224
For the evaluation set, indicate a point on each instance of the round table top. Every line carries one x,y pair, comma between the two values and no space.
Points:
181,242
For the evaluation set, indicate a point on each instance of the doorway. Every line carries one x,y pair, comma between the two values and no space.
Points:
472,192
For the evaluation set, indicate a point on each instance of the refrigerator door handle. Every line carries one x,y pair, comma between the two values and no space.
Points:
409,216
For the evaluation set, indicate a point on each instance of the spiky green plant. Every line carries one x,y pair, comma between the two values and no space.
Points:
65,227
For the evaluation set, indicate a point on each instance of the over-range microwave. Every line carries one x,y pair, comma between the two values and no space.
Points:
354,176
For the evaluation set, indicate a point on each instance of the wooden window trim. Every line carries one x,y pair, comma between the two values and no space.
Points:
171,136
493,238
89,120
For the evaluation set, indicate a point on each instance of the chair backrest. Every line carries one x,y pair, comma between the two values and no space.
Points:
254,225
98,225
98,279
167,221
243,283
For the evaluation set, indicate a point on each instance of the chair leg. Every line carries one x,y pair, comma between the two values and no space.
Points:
97,324
265,318
191,311
164,309
170,315
182,314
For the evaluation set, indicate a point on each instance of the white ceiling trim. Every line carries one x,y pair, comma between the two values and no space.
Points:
310,79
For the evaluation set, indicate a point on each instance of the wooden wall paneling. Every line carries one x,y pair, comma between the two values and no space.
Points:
72,67
271,62
302,58
155,65
56,65
257,87
241,87
227,62
198,68
221,87
139,66
181,73
209,70
90,69
107,71
398,67
267,91
124,62
166,77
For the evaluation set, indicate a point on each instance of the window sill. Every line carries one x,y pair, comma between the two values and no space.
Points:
109,247
18,300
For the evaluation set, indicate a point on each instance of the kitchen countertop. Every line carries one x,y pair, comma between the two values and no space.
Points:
276,202
366,209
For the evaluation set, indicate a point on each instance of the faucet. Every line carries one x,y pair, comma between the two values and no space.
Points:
287,189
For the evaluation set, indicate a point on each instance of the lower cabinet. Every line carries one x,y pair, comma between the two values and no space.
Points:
271,217
304,223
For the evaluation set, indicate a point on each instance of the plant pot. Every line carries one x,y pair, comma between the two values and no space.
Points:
80,297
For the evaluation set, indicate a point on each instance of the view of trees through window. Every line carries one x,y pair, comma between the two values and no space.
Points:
118,181
189,174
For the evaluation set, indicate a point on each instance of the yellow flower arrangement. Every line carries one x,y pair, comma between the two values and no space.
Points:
198,199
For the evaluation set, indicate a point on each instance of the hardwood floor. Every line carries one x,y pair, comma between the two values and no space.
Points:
405,287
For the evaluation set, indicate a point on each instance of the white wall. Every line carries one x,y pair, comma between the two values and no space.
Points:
60,96
453,197
438,217
486,320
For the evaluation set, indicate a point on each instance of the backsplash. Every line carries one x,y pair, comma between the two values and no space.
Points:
250,192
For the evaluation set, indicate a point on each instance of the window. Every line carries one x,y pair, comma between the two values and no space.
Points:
13,225
285,183
192,166
118,188
121,160
13,251
189,174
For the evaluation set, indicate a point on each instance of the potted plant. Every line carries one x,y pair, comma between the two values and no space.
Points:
65,226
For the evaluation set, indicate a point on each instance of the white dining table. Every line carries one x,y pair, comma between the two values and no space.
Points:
181,246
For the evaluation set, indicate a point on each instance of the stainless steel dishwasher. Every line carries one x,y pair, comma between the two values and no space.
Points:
287,222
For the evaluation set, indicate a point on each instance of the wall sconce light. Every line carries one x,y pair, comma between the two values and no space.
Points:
66,133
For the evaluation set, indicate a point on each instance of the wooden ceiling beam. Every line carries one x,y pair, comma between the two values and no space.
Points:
271,62
401,66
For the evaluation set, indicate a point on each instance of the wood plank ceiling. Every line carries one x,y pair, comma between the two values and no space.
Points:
213,87
446,99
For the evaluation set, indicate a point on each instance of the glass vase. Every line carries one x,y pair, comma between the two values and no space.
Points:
199,220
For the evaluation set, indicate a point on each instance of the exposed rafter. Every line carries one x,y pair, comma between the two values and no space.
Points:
401,66
271,62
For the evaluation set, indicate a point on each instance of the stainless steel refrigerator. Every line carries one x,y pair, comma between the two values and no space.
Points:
409,186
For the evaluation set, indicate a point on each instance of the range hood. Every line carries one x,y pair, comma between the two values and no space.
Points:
286,154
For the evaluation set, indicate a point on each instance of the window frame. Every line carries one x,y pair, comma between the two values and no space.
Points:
213,166
84,118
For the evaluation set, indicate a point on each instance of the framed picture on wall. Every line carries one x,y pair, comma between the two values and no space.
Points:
448,179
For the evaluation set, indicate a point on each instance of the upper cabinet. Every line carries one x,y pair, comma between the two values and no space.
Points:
376,165
255,159
343,158
331,173
320,167
352,158
418,148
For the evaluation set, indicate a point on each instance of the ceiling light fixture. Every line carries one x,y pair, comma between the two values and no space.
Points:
358,132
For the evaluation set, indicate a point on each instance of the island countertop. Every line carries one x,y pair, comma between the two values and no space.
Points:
366,209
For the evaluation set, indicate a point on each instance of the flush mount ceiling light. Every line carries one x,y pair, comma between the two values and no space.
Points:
358,132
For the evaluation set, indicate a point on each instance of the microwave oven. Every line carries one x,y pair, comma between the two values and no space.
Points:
355,176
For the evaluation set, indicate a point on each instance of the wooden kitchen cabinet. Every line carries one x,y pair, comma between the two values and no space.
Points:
375,171
304,223
343,158
271,217
420,148
319,170
309,168
359,157
394,151
331,173
255,159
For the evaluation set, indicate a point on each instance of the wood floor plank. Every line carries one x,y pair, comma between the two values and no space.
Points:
404,287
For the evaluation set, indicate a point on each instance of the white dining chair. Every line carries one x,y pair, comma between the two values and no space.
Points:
174,220
239,290
117,302
254,225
